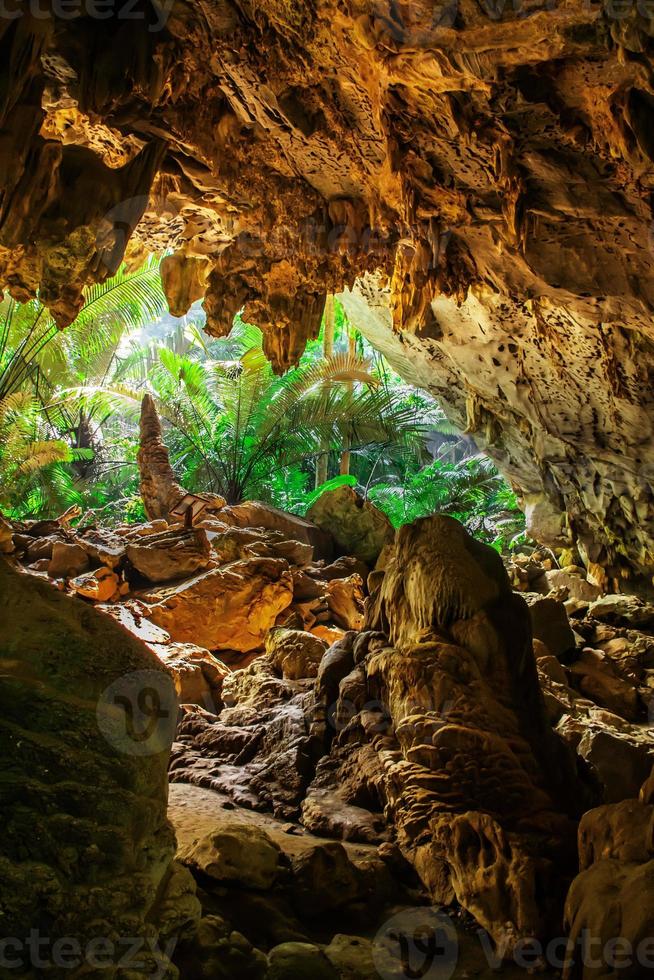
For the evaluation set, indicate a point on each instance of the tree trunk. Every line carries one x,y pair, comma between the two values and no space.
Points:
345,454
322,463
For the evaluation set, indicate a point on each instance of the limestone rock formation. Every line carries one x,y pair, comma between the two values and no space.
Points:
254,514
357,526
427,727
258,752
160,490
103,546
445,690
198,675
101,585
86,850
610,901
231,543
478,175
68,560
233,852
294,652
288,894
345,600
550,625
226,608
170,555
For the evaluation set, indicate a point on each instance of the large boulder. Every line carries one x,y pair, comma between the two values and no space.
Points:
550,624
619,756
300,961
100,585
215,951
68,560
254,514
611,901
598,679
236,853
574,581
295,653
170,555
231,543
103,546
443,687
229,608
345,598
357,526
86,846
352,957
621,609
198,675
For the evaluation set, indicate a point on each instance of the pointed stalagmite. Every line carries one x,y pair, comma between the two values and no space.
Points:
159,488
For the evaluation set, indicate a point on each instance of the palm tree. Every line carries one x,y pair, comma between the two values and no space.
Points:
31,471
235,426
54,433
471,489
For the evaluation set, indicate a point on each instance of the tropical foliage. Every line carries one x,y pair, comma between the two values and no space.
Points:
471,489
69,410
52,448
237,429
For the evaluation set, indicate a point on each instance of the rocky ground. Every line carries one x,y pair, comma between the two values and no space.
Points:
372,724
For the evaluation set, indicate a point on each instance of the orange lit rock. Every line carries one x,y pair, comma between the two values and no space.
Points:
230,608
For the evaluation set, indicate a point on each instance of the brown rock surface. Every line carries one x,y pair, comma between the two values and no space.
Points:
170,555
448,697
68,560
103,546
228,608
102,585
231,543
254,514
550,625
294,652
357,526
492,164
159,488
611,901
345,598
198,675
85,835
598,679
258,751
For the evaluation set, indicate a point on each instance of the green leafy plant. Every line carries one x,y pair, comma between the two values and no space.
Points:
471,489
237,429
33,472
54,451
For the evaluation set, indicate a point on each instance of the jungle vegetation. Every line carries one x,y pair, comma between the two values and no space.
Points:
69,404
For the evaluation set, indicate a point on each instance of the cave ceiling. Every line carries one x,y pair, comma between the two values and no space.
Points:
475,176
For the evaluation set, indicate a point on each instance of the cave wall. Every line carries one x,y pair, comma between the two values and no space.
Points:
562,404
492,161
